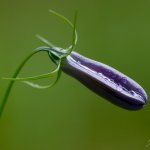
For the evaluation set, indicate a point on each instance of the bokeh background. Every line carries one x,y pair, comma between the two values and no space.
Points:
69,116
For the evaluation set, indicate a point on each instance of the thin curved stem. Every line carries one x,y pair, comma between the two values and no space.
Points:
12,81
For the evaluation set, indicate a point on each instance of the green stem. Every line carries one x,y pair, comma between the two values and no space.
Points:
12,81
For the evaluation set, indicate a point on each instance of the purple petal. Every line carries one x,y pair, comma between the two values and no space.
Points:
105,81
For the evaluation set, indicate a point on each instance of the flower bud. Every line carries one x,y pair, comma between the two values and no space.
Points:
105,81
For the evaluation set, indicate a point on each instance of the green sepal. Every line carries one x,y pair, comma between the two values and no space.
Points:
42,76
37,86
55,53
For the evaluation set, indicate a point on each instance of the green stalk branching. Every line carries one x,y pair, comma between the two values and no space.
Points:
57,55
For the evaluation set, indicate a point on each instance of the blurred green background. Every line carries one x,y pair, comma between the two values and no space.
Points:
69,116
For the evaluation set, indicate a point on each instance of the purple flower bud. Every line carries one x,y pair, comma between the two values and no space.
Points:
105,81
